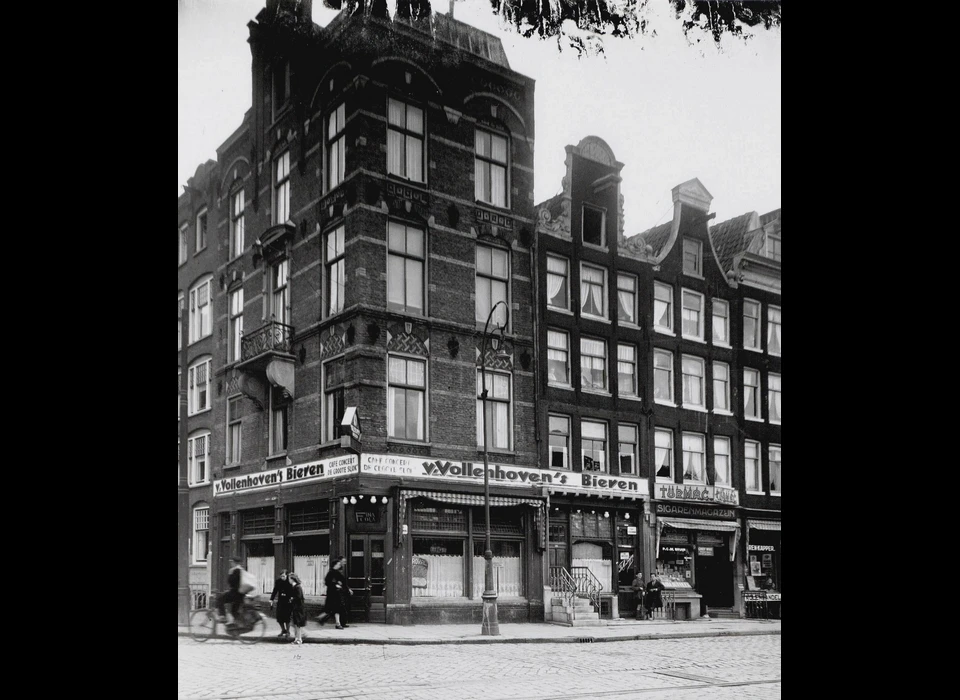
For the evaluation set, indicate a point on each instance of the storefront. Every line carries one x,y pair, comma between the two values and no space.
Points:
696,551
763,573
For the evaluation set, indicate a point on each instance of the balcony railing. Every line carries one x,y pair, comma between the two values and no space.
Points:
271,337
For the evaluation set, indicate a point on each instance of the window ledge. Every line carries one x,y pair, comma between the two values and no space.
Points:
202,337
199,413
775,493
628,324
753,420
199,250
699,409
661,402
591,317
694,339
495,207
197,484
725,346
278,455
595,392
236,465
775,422
594,246
407,181
694,275
664,331
560,310
509,453
721,412
568,387
756,350
774,354
329,443
756,493
630,397
406,441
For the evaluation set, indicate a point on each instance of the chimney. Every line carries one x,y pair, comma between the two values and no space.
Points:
301,9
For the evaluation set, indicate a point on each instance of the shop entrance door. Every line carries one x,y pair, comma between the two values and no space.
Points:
366,576
714,573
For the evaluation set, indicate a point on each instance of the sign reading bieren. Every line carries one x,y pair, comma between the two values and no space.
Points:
297,474
501,475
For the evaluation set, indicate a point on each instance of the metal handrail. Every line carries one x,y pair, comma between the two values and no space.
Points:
587,584
562,581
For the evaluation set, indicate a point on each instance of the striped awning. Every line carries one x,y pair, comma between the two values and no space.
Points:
731,527
471,499
764,525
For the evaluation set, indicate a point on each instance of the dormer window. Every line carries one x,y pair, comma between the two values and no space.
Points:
593,226
692,257
771,247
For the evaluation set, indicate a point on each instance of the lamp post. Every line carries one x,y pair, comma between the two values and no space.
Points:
491,623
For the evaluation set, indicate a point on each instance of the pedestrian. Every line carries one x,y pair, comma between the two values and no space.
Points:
282,589
337,593
653,598
298,615
232,595
637,587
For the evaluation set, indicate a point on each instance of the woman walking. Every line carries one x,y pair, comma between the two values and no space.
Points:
298,615
337,592
282,589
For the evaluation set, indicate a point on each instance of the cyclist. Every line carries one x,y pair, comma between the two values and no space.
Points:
232,595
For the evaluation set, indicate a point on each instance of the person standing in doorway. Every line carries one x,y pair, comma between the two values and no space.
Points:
637,587
282,590
337,592
653,598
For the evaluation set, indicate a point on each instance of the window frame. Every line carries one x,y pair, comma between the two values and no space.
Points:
774,395
667,330
492,280
204,435
332,397
278,291
406,134
634,454
197,521
701,315
701,363
182,252
691,436
585,295
752,470
233,450
486,174
756,415
722,440
714,305
194,390
407,258
200,319
491,398
237,223
282,195
567,440
201,229
671,399
565,284
335,147
668,433
632,279
280,101
771,448
752,303
727,411
633,390
584,208
771,247
181,301
771,325
334,266
279,409
235,325
606,365
584,422
698,254
568,382
422,420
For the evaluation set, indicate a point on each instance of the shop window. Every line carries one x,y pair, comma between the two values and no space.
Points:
663,308
308,517
201,534
663,377
627,299
663,444
626,370
675,559
593,445
692,315
507,567
498,409
405,139
693,380
492,284
257,522
559,442
236,224
751,324
558,358
333,399
335,270
490,168
593,291
405,265
721,322
311,560
558,277
593,364
593,226
439,519
261,564
438,568
406,398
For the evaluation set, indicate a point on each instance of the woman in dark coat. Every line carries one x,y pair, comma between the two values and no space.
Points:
653,599
337,592
298,616
282,589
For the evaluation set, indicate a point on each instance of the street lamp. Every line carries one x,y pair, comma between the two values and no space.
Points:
491,623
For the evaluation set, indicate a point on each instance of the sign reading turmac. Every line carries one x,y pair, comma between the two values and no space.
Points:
298,474
501,475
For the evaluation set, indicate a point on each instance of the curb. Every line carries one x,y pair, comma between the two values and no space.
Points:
508,640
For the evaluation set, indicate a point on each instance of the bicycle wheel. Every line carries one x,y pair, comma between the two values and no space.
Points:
255,633
203,624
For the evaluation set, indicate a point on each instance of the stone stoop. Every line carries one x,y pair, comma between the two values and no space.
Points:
724,613
580,614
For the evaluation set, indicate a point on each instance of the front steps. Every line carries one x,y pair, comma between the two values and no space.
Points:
580,614
724,613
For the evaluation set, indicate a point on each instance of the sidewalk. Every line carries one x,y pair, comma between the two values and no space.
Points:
520,633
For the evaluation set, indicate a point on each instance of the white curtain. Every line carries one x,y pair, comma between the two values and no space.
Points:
590,555
414,158
556,276
506,576
438,576
626,305
498,186
262,570
312,569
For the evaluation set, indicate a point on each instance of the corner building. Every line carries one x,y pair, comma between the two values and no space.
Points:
376,204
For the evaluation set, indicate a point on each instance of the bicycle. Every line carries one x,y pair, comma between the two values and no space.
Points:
205,624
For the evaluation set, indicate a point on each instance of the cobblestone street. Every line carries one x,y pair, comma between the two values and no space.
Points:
679,669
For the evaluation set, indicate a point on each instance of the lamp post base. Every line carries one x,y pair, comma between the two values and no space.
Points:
490,627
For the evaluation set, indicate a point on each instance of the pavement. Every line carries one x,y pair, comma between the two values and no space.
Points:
519,633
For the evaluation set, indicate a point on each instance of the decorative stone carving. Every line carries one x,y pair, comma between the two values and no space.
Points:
596,149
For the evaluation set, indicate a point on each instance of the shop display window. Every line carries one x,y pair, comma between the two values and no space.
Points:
438,568
507,567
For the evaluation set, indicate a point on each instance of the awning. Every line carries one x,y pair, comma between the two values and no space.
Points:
693,524
470,499
764,525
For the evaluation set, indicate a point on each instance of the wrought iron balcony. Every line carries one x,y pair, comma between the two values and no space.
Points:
271,338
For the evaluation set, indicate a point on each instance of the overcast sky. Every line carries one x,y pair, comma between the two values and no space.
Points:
671,108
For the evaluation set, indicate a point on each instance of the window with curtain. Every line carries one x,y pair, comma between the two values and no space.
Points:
198,397
663,454
692,315
437,567
751,464
405,140
663,376
405,265
406,398
626,370
236,224
773,330
493,274
593,445
281,191
498,409
593,364
721,387
198,454
558,274
694,458
593,294
693,377
490,168
279,420
559,441
692,257
751,390
721,322
336,147
773,398
335,269
280,291
235,323
721,461
333,400
200,311
751,324
558,358
773,456
628,448
627,298
234,429
662,307
507,567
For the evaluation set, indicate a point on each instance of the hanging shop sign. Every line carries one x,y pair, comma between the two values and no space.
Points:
286,476
501,475
700,494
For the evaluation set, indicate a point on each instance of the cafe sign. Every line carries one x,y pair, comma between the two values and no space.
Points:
309,472
700,494
507,475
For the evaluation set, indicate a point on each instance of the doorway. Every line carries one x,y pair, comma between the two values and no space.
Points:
714,575
366,576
